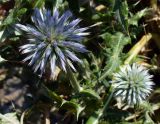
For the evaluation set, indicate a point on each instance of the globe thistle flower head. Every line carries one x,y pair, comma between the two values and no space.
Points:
132,84
54,40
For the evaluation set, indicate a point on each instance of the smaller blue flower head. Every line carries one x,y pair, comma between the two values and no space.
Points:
54,40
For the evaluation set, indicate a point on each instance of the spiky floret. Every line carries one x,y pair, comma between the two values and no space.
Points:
132,84
53,40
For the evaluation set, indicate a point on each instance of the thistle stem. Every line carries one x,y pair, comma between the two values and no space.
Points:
73,81
96,116
103,76
108,101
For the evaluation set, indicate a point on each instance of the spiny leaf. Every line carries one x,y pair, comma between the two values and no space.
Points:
121,12
135,18
90,93
13,16
38,3
6,28
73,107
116,43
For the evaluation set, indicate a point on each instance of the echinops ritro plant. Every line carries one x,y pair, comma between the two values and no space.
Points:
132,84
54,40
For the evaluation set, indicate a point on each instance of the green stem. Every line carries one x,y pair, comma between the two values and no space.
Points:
97,115
73,81
103,76
108,101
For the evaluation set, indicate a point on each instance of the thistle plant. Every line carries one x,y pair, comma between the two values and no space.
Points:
54,41
132,84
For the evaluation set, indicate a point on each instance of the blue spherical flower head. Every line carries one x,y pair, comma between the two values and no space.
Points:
54,40
132,84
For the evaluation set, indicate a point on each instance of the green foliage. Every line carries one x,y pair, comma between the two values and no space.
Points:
73,107
94,119
7,25
121,11
114,46
133,20
84,95
90,93
38,3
